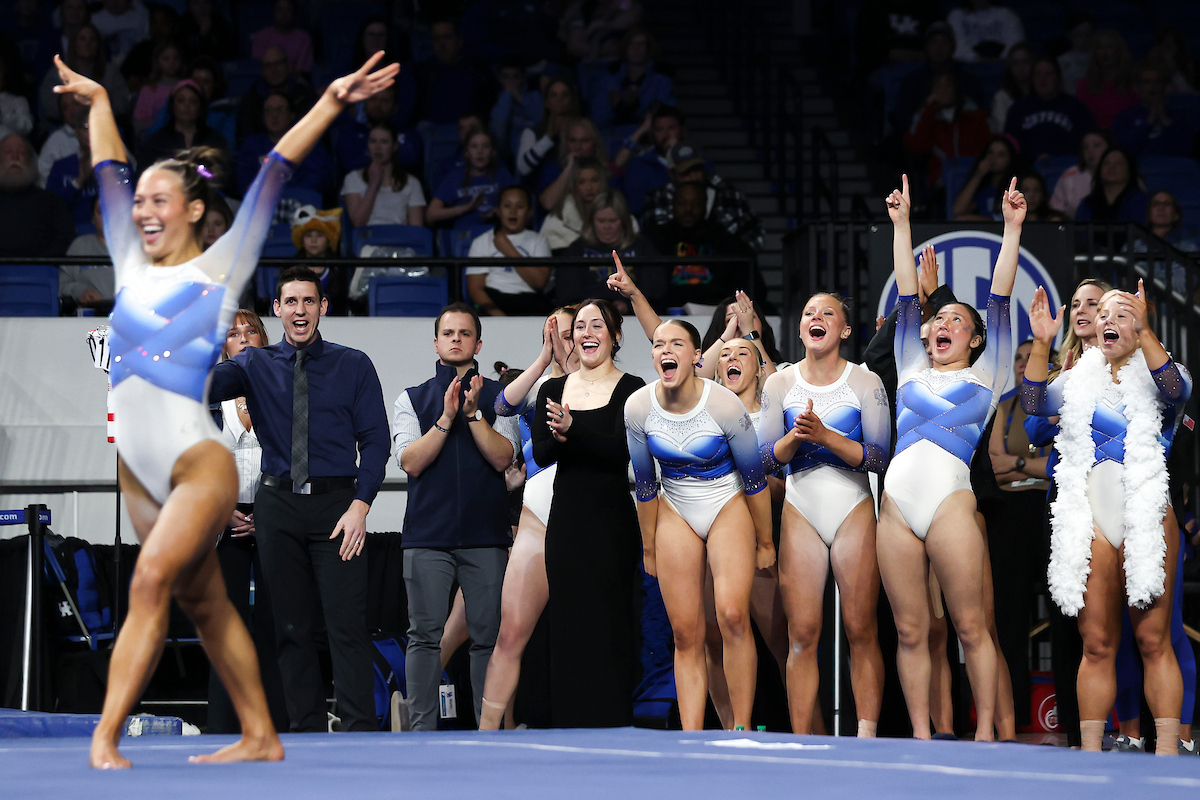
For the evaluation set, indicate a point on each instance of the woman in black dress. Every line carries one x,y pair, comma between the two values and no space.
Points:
593,543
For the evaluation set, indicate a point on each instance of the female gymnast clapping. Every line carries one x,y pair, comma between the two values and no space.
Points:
927,517
174,306
716,515
829,422
1119,407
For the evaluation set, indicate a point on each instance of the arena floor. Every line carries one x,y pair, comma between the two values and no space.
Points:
623,763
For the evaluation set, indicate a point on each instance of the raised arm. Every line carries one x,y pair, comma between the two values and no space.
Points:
511,399
899,206
1005,274
103,136
1036,396
347,90
622,284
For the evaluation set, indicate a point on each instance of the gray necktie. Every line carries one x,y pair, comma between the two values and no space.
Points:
299,421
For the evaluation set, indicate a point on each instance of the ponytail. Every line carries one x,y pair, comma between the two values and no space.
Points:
200,171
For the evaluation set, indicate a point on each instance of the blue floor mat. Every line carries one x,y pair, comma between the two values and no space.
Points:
622,763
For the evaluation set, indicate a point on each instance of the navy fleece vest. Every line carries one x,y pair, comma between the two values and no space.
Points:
460,500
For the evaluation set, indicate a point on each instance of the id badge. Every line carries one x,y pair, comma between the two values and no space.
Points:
446,705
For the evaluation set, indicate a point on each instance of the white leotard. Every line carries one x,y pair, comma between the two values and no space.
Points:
706,456
539,481
821,486
169,323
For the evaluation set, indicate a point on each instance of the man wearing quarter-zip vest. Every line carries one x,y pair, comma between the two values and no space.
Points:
447,438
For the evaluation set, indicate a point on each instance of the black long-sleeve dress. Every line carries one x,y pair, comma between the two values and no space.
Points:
593,545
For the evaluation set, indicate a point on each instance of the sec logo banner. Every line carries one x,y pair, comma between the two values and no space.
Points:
966,259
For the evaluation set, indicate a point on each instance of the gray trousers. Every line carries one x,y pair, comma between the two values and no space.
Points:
428,578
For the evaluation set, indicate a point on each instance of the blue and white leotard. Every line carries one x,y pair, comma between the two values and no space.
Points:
539,481
707,456
169,323
940,416
821,486
1105,490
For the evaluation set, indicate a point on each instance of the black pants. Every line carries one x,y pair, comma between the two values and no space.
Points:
298,557
239,563
527,304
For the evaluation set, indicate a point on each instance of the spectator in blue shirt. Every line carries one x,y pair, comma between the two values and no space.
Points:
315,172
344,457
468,196
1048,122
1146,129
1115,195
651,169
632,86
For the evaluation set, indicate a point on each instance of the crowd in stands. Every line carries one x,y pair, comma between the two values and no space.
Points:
563,110
1098,114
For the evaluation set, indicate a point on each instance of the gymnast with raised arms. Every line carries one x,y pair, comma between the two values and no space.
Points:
174,305
927,518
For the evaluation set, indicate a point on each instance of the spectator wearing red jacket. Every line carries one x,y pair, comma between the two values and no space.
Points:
949,126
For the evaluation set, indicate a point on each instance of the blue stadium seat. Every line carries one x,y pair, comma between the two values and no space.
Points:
419,238
1052,168
28,291
305,197
279,242
457,243
989,75
1179,176
955,172
84,228
407,296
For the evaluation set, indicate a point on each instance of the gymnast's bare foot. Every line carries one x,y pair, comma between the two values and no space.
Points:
105,756
259,748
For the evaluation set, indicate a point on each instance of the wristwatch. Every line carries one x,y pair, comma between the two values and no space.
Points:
1020,462
477,416
752,335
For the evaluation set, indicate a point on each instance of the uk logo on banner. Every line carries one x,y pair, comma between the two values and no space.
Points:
967,258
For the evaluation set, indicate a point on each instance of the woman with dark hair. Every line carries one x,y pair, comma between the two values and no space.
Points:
1170,54
592,543
167,68
633,87
1017,83
1116,194
1164,219
237,549
218,218
827,421
560,105
716,515
1076,183
928,513
187,127
513,290
383,192
1037,196
990,175
470,193
179,482
85,55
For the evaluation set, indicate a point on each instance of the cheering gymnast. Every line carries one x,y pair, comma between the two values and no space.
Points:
1118,408
716,514
829,422
525,592
927,518
174,305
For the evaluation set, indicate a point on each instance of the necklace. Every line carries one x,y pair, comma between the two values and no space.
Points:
592,382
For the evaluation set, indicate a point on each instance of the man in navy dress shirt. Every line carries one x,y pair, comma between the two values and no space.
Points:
300,521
